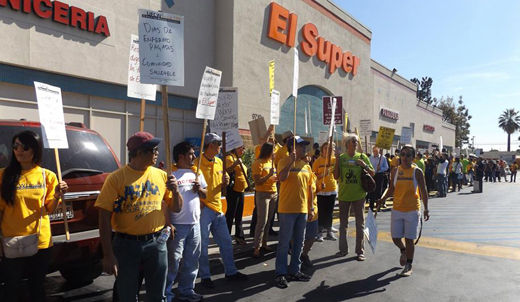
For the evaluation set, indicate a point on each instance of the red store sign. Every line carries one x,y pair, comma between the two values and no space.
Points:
428,128
390,114
61,13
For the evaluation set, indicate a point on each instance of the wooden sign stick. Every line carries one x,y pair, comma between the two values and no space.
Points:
166,124
224,189
201,148
63,205
141,115
294,133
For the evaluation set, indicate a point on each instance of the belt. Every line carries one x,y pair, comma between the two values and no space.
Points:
144,237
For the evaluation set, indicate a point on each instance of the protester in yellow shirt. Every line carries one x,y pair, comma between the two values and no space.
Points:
294,204
408,187
235,195
265,196
28,194
326,190
132,203
394,163
212,217
283,152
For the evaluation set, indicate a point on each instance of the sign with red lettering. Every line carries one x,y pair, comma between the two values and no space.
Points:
428,128
327,110
135,89
61,13
389,114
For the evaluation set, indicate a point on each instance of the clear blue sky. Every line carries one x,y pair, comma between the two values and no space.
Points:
468,47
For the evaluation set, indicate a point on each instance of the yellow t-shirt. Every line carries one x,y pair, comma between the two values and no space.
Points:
406,193
280,154
318,168
394,162
313,189
262,167
294,190
135,199
240,178
22,218
212,171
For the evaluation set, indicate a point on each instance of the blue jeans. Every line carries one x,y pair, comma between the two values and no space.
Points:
292,226
216,223
442,184
185,246
134,255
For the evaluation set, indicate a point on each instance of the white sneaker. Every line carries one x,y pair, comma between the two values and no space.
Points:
407,271
333,229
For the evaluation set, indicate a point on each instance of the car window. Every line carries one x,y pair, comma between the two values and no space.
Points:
86,151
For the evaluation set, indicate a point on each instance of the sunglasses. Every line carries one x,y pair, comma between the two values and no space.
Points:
16,145
153,150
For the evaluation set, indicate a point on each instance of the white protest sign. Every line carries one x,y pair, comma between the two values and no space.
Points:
233,139
323,137
365,128
406,135
370,230
441,145
295,73
208,94
226,115
161,37
135,89
50,110
275,107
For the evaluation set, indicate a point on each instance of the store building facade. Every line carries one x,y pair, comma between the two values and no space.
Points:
83,47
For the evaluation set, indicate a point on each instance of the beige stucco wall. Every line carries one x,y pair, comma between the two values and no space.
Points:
253,49
393,92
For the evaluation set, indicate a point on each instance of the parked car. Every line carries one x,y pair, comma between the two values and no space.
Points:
85,166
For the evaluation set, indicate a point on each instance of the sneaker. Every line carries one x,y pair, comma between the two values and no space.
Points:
361,257
341,253
299,276
402,258
319,238
238,276
306,261
333,229
331,236
280,282
407,271
191,298
207,283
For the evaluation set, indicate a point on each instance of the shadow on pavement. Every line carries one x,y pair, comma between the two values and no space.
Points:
353,289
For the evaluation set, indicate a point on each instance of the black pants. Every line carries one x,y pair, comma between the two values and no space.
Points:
373,197
513,176
325,210
235,210
34,267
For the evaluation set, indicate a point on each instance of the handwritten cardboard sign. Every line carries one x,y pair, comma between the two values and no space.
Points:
161,37
208,94
275,107
226,115
233,139
258,129
365,128
327,110
135,89
50,110
385,137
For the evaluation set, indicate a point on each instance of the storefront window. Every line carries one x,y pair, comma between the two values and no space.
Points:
309,113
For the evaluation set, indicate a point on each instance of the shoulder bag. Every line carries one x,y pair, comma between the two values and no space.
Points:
25,246
367,181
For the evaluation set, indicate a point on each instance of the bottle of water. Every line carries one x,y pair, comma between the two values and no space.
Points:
165,234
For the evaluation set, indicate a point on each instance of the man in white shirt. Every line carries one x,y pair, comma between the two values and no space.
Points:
442,178
380,165
187,243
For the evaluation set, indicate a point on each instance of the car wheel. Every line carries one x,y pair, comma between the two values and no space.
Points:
81,273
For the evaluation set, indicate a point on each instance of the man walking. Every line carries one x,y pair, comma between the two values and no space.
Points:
381,169
186,244
132,203
212,218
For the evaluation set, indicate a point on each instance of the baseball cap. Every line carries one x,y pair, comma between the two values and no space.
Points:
211,137
299,140
142,139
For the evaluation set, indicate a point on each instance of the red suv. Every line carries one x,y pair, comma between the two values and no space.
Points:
85,166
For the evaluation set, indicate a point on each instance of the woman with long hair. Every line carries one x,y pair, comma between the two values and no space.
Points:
28,194
265,196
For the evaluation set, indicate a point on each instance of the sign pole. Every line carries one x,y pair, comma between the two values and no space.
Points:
294,135
224,189
63,205
166,124
201,147
141,115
